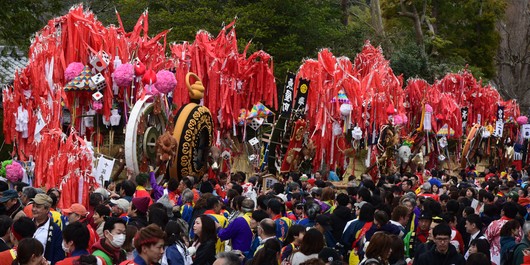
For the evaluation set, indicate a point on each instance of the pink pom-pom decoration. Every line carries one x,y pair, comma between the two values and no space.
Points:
404,118
151,90
522,120
398,120
123,75
73,70
428,108
14,172
165,81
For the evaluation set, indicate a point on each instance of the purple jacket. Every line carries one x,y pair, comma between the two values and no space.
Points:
158,191
240,233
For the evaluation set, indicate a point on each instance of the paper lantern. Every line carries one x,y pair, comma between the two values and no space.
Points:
345,109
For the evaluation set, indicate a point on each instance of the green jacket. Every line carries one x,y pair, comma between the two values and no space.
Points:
518,252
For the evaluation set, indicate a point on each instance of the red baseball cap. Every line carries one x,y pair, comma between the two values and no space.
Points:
76,208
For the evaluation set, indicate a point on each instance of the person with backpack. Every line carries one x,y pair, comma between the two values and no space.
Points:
353,237
524,244
176,252
508,232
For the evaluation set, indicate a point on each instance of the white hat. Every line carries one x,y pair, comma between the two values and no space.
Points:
121,203
103,192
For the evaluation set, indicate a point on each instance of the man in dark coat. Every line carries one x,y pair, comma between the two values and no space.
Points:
442,251
341,215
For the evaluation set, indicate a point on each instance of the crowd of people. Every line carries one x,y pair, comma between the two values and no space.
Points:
423,218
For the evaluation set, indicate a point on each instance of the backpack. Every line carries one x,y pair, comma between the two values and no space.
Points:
509,259
188,260
370,261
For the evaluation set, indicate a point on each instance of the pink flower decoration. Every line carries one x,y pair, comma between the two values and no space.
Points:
165,81
123,75
73,70
522,120
14,172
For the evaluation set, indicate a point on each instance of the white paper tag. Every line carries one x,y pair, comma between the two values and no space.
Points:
526,131
499,127
486,133
442,142
225,155
256,123
254,141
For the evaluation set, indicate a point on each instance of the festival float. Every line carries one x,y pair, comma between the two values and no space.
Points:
97,104
95,100
360,118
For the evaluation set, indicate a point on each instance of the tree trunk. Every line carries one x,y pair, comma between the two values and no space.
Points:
377,19
344,4
513,56
416,20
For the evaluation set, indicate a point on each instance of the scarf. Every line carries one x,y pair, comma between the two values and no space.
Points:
115,253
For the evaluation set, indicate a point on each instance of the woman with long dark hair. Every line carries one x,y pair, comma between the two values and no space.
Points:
397,256
203,247
176,252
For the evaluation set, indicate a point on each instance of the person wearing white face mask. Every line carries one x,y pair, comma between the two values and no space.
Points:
109,247
75,242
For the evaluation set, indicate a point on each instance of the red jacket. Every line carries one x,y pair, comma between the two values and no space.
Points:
141,192
526,260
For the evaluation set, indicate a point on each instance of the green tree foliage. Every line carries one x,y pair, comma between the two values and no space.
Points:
424,38
451,35
288,30
21,19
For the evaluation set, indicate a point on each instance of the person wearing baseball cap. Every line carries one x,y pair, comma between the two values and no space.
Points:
75,213
78,213
323,224
120,208
414,238
48,232
13,205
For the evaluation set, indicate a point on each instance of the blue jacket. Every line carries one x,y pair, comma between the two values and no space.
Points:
54,250
253,247
173,255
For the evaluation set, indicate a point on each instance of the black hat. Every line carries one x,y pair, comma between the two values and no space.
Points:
329,255
8,195
425,215
324,221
